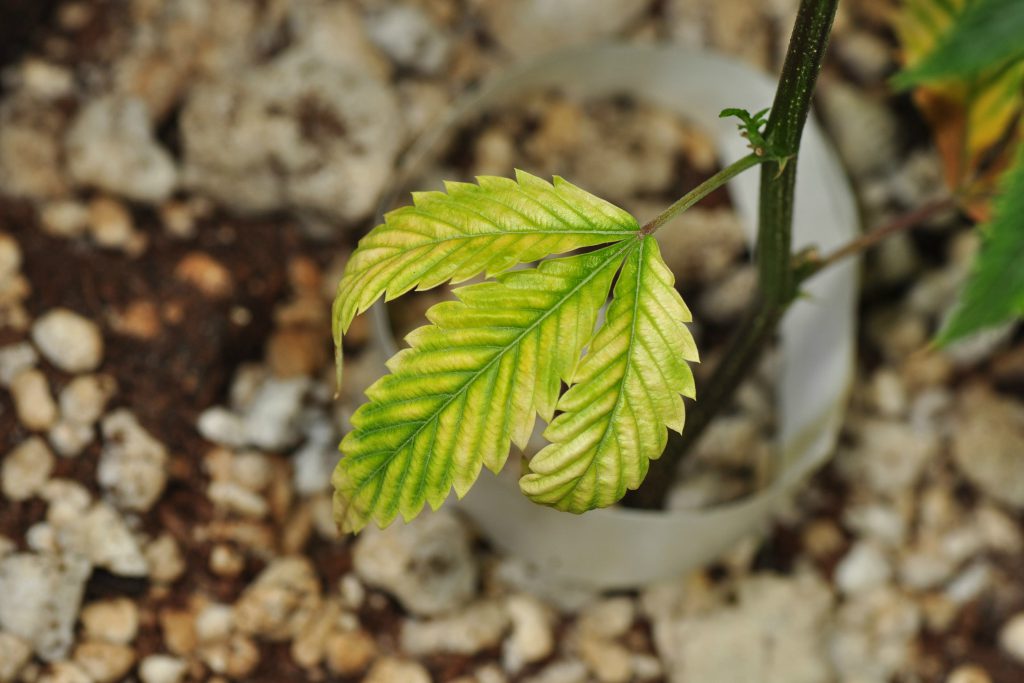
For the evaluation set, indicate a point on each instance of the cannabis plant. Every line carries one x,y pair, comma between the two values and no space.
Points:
473,382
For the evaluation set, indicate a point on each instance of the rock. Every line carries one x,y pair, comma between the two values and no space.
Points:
69,439
111,225
226,561
531,27
349,653
66,672
10,257
968,673
113,621
426,564
102,536
532,638
476,628
311,642
890,455
85,398
33,401
988,445
104,662
562,671
70,341
214,622
26,469
31,164
14,655
406,35
233,497
179,630
278,603
206,274
132,464
236,657
271,418
609,661
220,425
1011,637
313,463
164,559
162,669
110,145
299,132
41,598
864,567
66,218
761,638
14,358
874,636
392,670
608,618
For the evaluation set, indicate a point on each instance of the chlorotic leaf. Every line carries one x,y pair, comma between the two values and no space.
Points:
471,383
470,229
994,292
975,118
984,34
627,391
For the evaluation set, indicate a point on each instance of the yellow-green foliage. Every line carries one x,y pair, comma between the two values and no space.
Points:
473,381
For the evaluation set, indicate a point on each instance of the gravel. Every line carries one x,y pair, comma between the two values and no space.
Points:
68,340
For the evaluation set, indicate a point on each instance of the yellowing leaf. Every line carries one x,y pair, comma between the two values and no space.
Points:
471,383
627,391
473,228
975,119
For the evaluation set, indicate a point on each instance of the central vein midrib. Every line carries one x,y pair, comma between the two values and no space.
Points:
625,246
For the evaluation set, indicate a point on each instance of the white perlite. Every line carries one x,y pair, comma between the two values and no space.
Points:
41,595
131,467
70,341
33,401
532,638
110,145
529,27
406,34
101,535
84,398
426,564
25,469
15,358
162,669
763,638
1011,637
299,133
988,445
14,655
475,628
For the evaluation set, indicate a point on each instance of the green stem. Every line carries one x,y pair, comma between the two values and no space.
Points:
700,192
776,281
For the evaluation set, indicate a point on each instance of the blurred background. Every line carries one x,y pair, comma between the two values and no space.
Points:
181,183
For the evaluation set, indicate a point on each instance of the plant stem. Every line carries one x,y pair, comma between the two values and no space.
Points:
870,239
698,193
776,281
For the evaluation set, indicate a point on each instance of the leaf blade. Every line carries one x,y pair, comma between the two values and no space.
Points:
486,227
469,386
627,392
994,292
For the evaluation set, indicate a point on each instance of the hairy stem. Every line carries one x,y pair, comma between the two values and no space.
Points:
776,281
698,193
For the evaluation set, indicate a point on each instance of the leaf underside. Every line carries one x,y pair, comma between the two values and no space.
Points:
628,389
471,383
994,292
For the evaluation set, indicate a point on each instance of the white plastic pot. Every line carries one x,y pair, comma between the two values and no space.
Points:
621,548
